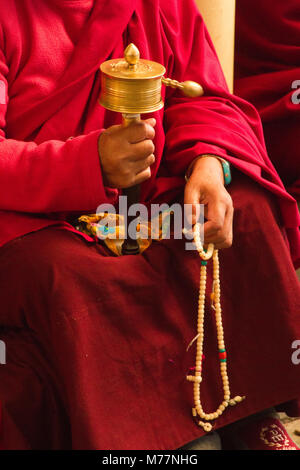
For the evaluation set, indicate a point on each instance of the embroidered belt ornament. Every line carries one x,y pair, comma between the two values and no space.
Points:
110,228
197,410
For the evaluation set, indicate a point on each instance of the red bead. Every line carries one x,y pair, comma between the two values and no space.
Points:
223,355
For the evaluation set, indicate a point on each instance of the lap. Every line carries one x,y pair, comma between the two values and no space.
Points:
115,330
50,265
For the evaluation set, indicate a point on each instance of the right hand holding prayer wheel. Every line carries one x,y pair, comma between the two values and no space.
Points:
127,153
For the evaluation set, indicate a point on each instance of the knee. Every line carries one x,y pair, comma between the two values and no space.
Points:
34,271
35,261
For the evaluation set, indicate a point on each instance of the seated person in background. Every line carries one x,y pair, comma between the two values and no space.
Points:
267,72
96,344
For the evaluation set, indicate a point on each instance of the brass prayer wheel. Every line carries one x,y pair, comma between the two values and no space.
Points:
133,86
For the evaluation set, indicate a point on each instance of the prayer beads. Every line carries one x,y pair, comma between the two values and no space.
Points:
197,410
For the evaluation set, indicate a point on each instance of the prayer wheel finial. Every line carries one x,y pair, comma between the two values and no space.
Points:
132,56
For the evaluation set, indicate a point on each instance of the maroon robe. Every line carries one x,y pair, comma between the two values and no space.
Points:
267,70
96,344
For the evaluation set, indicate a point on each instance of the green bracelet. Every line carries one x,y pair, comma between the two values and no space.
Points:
225,165
226,171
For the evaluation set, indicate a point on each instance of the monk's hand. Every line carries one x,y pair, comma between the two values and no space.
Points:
126,153
206,186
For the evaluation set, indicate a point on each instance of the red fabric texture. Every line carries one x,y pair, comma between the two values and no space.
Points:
96,354
96,358
50,57
267,65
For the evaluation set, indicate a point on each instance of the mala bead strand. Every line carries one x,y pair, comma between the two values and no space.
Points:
197,410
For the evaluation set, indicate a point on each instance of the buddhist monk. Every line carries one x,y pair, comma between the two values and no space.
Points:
96,344
268,75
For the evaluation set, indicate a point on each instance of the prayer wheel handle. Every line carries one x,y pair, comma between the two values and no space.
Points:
188,88
131,246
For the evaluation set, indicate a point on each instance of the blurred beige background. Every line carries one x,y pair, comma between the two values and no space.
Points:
219,16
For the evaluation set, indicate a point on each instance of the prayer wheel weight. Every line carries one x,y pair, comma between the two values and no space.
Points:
132,86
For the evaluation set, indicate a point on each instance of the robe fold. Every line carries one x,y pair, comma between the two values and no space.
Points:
267,73
95,358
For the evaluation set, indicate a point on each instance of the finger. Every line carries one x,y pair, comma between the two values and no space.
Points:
223,238
228,229
216,211
151,121
143,164
141,150
192,197
139,131
143,176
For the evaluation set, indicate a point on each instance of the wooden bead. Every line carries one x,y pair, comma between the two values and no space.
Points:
238,399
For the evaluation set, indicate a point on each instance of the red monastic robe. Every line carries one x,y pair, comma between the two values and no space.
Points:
96,345
268,75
